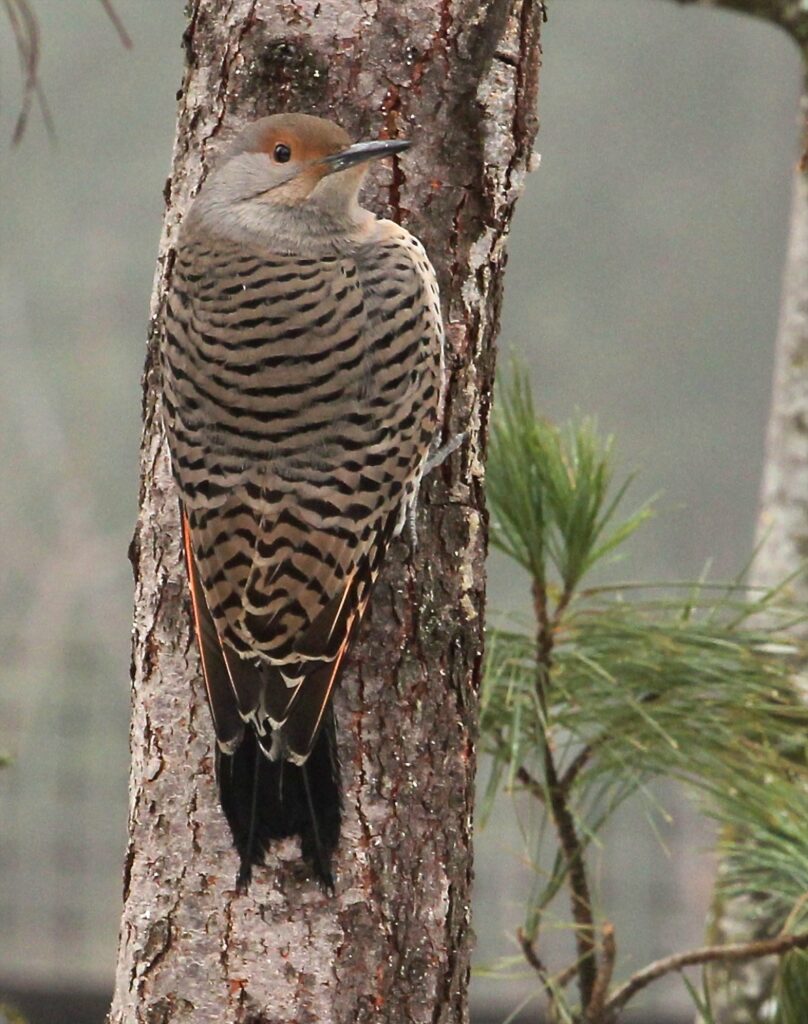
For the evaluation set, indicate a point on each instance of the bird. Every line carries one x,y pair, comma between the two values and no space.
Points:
302,365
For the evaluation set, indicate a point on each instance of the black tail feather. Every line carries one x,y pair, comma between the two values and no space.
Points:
265,800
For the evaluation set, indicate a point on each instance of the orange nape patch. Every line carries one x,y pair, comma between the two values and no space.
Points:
308,138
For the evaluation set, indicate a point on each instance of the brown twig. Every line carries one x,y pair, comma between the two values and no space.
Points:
578,882
544,654
530,783
25,29
528,948
565,977
552,982
557,795
707,954
114,17
579,762
603,978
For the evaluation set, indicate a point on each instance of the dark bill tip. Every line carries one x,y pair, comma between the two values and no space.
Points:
362,152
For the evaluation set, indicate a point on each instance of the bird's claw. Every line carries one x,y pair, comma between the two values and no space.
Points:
443,453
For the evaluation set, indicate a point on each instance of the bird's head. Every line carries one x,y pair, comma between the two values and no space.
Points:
295,169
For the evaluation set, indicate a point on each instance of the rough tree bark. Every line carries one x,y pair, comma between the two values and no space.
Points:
459,77
741,991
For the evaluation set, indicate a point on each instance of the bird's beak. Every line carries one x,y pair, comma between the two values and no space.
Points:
361,152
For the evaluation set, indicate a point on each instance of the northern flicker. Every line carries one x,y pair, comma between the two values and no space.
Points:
302,363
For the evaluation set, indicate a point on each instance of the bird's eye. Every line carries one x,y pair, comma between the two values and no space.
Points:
281,153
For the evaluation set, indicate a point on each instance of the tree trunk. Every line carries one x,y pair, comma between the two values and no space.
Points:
741,990
459,78
783,526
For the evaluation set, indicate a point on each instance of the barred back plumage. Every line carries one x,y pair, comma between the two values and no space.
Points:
302,387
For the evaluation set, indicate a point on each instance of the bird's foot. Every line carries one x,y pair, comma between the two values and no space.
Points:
443,453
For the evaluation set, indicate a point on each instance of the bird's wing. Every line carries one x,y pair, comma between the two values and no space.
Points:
289,696
227,721
301,398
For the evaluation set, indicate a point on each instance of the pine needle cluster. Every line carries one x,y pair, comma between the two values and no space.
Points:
611,687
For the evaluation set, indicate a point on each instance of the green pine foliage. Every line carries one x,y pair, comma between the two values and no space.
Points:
792,988
10,1015
610,687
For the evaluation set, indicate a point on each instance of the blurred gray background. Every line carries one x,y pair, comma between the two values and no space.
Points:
642,288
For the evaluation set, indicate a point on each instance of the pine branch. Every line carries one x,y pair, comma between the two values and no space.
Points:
557,794
707,954
580,897
577,765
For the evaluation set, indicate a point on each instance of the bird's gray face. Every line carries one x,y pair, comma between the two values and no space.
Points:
294,160
290,181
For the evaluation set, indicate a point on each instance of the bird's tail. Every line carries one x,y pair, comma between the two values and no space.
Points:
265,800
